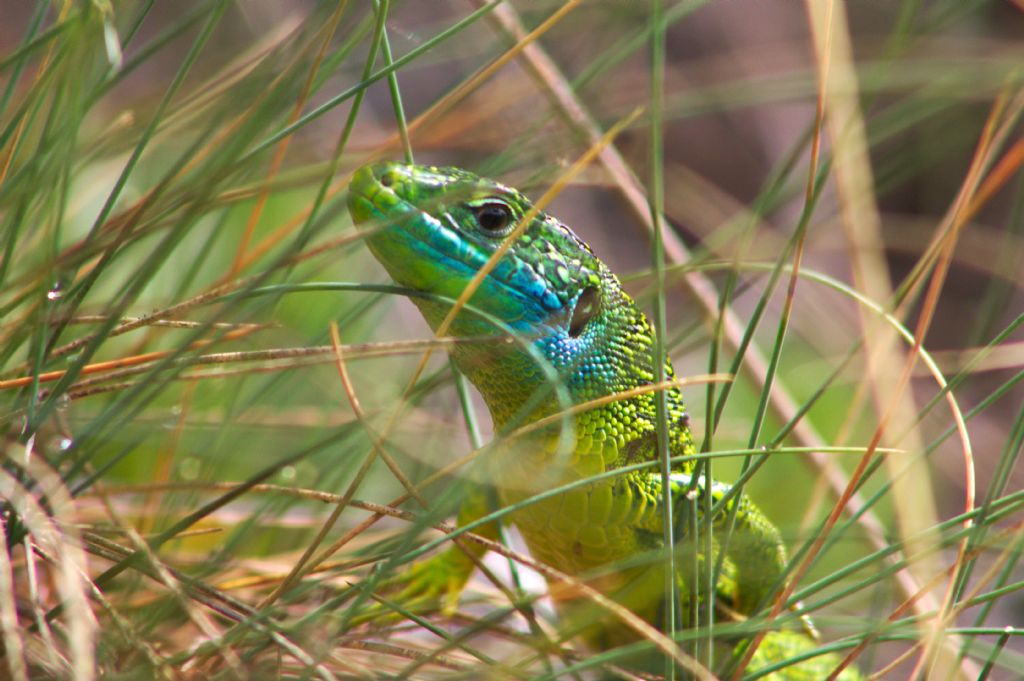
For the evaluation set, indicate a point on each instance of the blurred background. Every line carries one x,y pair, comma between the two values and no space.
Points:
172,188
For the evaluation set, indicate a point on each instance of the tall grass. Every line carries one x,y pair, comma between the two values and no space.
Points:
826,204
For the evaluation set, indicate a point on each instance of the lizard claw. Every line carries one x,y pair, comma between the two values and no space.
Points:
427,587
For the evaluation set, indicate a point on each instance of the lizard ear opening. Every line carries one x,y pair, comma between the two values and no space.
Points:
587,306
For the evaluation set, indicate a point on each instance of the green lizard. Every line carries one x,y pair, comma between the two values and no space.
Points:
433,229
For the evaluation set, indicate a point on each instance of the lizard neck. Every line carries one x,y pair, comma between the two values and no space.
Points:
617,355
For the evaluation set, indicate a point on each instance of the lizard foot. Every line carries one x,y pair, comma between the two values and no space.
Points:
426,587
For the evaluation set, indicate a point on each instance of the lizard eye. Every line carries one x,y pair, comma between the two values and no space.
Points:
493,217
587,306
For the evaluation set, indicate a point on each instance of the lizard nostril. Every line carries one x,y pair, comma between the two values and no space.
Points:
388,179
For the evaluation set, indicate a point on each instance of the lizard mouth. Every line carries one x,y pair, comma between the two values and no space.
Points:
376,205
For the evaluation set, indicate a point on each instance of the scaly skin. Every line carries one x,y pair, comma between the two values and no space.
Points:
432,229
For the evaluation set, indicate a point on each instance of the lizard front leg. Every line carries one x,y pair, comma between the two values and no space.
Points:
755,554
435,584
755,562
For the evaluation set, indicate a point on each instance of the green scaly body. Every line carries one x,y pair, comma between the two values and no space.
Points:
433,229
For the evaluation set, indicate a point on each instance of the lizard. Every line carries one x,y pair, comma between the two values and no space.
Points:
433,229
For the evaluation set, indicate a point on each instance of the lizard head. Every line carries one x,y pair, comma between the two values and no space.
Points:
433,229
